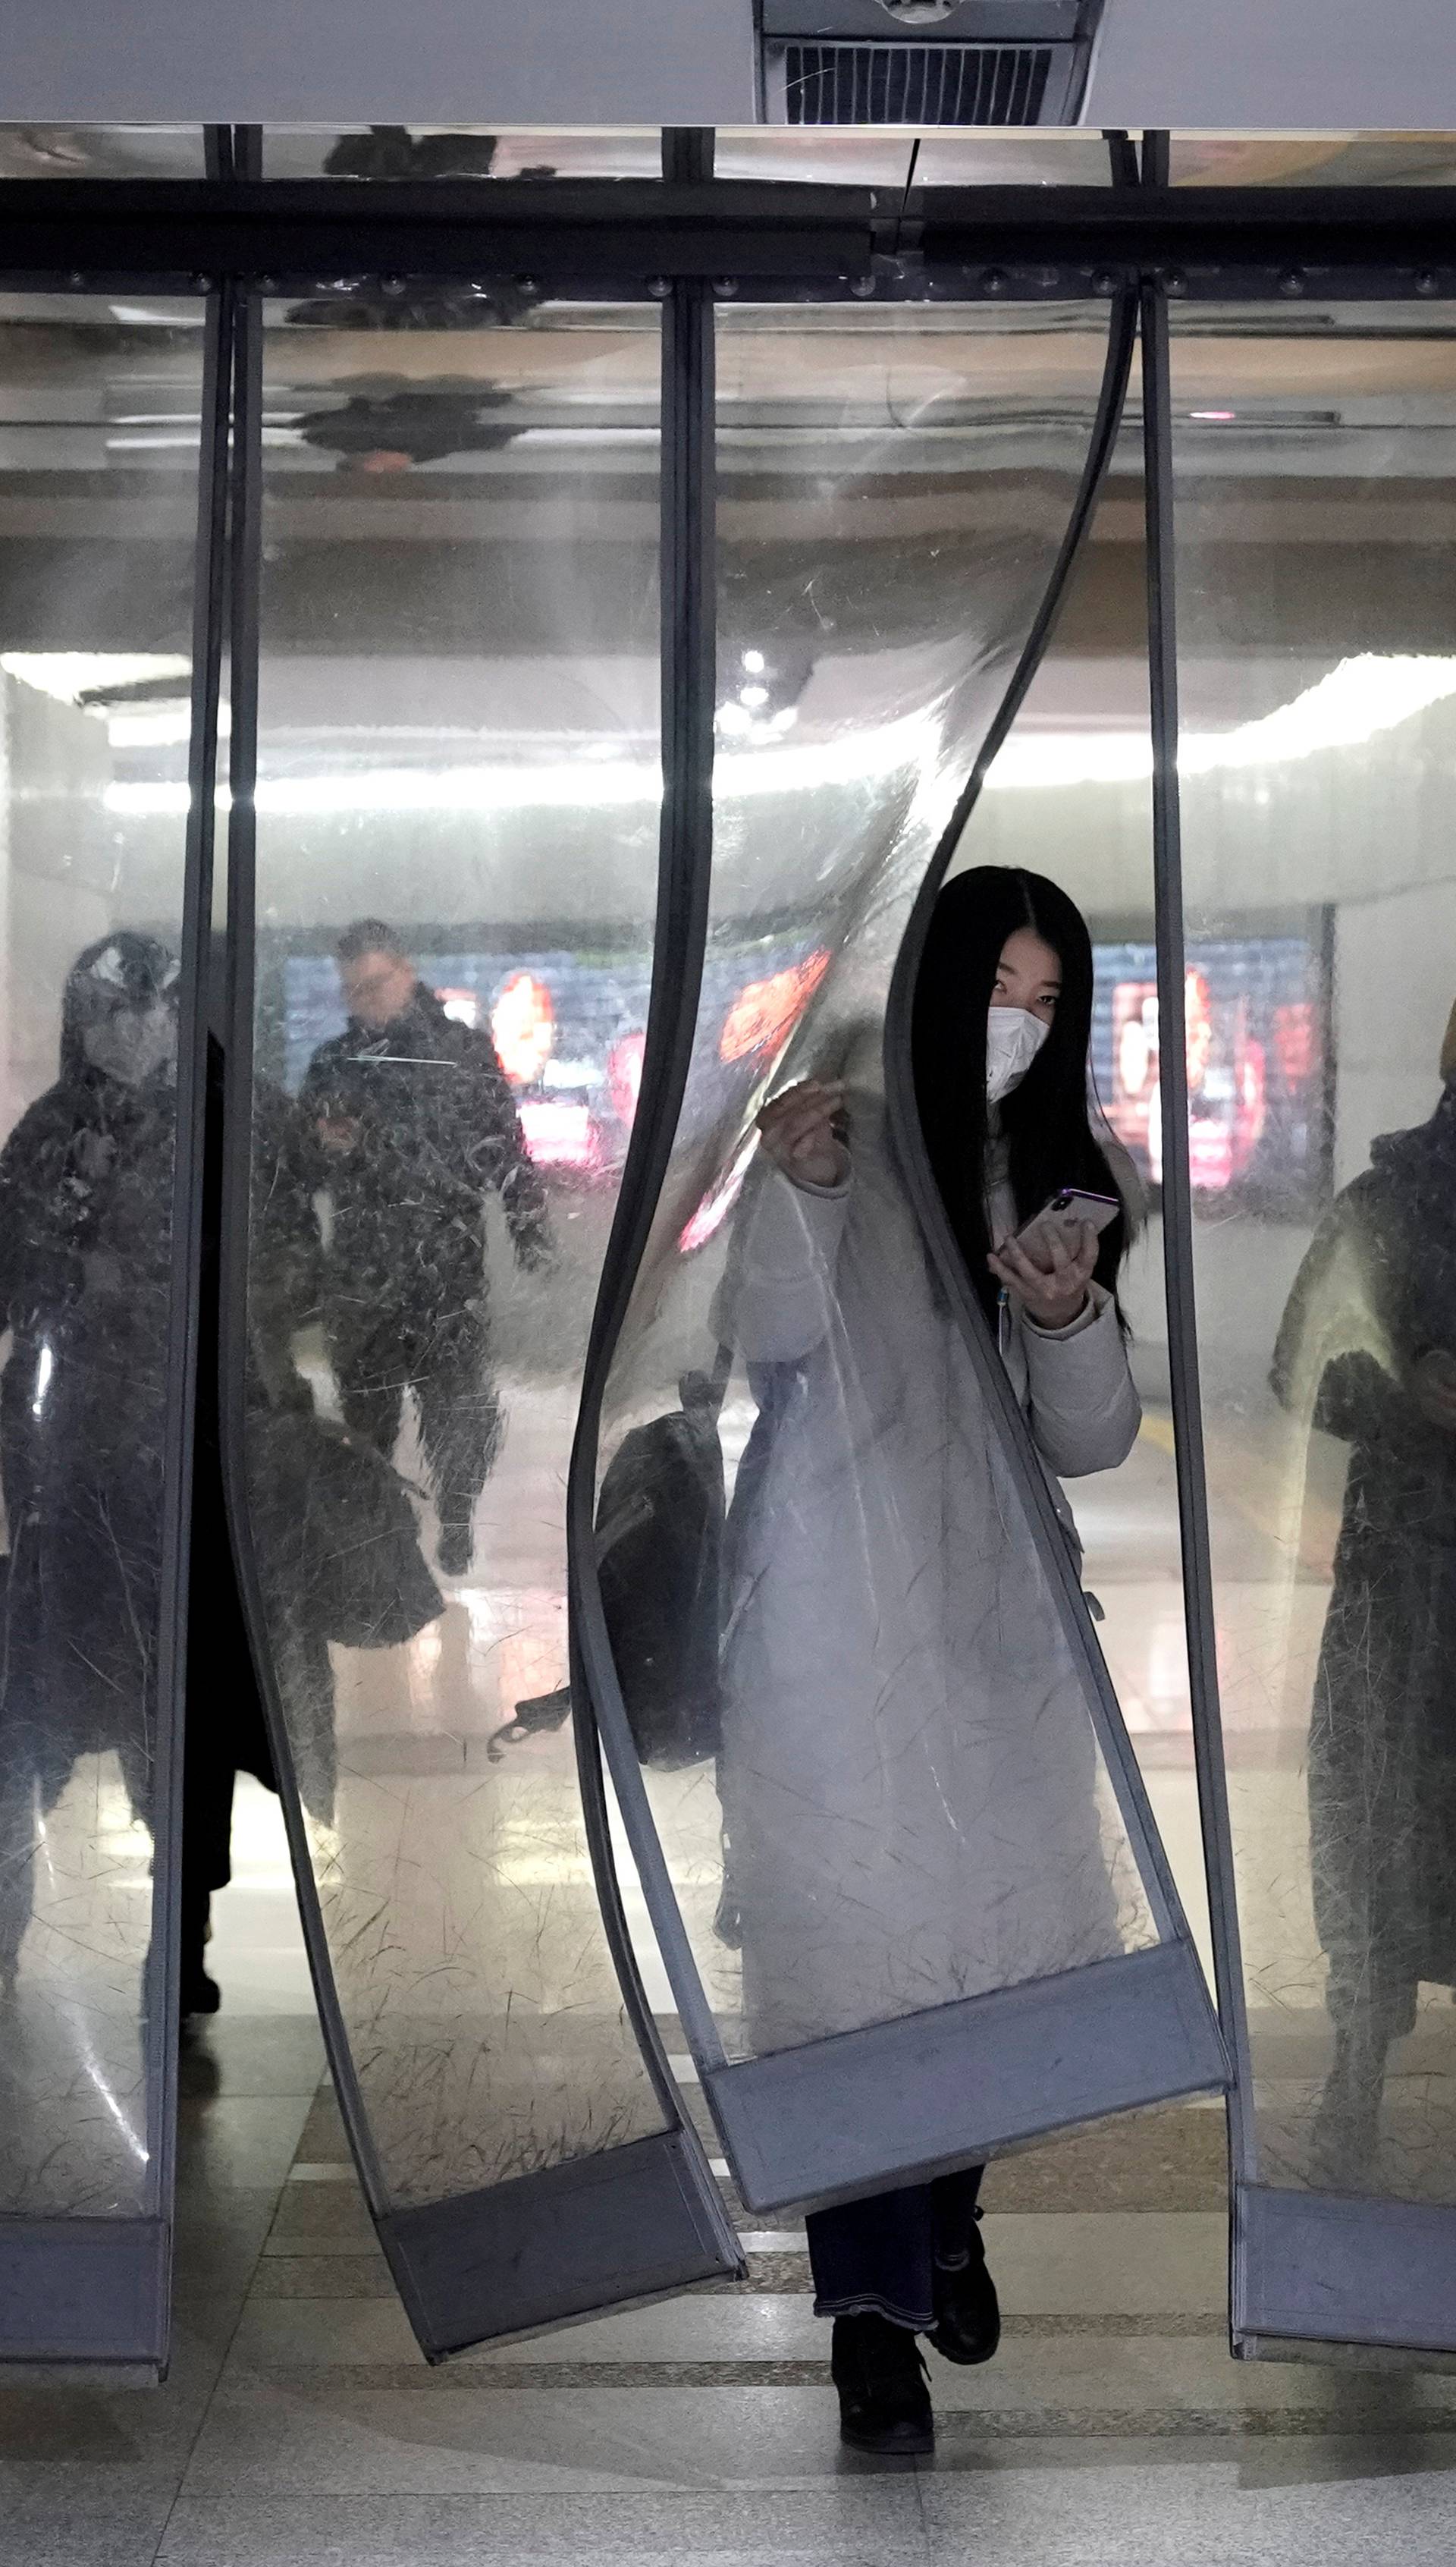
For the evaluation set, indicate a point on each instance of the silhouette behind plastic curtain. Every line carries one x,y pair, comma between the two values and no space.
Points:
844,2027
98,1211
1316,644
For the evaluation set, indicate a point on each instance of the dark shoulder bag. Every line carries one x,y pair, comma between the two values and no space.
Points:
659,1563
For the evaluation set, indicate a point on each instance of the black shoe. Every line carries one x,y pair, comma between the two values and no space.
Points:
455,1549
967,2312
199,1993
885,2403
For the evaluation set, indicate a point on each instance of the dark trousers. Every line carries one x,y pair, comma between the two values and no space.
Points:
882,2254
444,1361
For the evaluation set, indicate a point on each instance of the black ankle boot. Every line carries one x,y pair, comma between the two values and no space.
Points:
885,2403
967,2312
197,1993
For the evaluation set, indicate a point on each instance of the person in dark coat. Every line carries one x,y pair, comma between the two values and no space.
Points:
1366,1351
85,1180
419,1124
226,1731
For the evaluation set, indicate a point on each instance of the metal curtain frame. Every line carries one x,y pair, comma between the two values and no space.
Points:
1185,1391
1148,2013
687,645
624,237
98,2289
1183,1366
612,2229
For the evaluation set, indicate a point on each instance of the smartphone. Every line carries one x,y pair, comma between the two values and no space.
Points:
1064,1214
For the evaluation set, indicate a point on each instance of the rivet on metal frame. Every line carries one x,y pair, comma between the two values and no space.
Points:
265,284
724,288
864,287
76,280
1174,281
529,286
202,285
1104,281
659,287
1291,283
395,284
1426,281
995,281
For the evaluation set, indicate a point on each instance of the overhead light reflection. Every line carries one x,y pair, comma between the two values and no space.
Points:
861,755
1354,703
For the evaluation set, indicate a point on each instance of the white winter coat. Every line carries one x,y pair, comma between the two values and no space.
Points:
909,1776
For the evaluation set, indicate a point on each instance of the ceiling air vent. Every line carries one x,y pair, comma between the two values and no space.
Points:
925,61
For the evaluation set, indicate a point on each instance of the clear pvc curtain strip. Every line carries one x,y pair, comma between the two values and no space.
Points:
629,2217
98,2288
1321,2255
1122,1766
814,2121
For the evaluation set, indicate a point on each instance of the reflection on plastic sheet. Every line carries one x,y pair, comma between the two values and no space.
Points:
1329,1317
569,1029
88,913
1254,1014
440,1125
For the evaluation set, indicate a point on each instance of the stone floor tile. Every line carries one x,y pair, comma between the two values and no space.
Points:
852,2523
1308,2505
487,2434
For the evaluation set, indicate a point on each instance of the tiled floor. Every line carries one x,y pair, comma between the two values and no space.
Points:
301,2429
299,2426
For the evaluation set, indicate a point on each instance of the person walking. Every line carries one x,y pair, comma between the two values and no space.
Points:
418,1124
909,1769
1366,1352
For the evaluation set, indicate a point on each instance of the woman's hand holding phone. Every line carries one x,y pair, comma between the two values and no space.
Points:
803,1133
1049,1270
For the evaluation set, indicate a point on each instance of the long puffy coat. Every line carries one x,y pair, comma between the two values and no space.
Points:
1376,1293
908,1774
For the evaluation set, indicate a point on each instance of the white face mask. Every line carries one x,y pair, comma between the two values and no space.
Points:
133,1044
1013,1039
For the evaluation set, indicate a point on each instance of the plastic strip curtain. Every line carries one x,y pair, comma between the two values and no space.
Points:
797,1814
1306,891
104,913
446,814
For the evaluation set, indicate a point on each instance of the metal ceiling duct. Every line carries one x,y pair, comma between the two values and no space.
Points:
925,61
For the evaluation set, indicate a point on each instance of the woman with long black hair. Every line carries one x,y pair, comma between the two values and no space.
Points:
909,1770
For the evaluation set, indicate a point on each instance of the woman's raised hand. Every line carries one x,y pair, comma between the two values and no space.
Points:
1051,1284
800,1132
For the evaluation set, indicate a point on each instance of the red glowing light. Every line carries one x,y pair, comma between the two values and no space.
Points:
765,1013
523,1029
624,1076
560,1135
